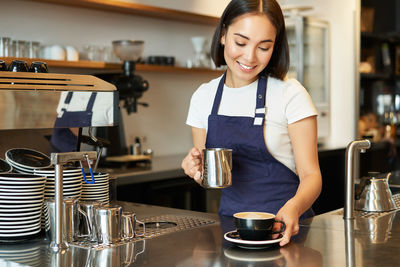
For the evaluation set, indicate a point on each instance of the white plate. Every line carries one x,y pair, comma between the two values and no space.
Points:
233,237
17,207
23,187
22,183
29,156
19,190
21,178
37,193
7,214
35,198
27,201
73,194
52,172
102,191
65,178
27,220
84,185
16,211
65,189
32,231
95,198
96,184
94,190
65,182
29,228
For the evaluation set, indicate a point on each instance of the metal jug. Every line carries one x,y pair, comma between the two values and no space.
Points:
373,193
217,166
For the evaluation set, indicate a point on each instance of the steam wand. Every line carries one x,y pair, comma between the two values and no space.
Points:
58,160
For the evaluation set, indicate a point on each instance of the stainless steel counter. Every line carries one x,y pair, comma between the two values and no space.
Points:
325,240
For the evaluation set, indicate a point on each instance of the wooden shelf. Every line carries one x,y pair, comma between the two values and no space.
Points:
85,64
124,7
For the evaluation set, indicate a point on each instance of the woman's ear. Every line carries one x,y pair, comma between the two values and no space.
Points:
222,40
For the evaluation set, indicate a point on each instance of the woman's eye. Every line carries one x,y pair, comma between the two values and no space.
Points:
240,44
264,48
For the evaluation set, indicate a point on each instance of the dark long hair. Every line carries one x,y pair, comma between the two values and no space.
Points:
278,65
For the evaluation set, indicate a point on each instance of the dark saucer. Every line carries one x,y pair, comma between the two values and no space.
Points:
233,237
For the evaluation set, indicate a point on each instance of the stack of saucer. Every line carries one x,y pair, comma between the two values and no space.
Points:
72,181
72,184
98,191
25,160
21,201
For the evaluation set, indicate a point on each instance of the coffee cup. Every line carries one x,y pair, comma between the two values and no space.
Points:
257,225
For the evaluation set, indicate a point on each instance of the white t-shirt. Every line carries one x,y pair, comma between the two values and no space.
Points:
287,102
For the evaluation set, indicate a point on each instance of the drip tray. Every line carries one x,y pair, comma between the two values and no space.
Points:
164,224
372,215
160,225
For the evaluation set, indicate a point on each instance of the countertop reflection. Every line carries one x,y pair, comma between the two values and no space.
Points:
325,240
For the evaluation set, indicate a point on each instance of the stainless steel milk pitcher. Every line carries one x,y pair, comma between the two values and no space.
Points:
217,166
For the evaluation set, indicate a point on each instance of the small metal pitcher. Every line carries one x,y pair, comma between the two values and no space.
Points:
108,224
217,166
70,218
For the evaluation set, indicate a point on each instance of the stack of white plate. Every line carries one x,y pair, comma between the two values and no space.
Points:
99,191
72,181
72,184
21,201
25,160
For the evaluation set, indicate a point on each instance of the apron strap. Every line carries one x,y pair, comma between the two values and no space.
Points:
218,95
261,108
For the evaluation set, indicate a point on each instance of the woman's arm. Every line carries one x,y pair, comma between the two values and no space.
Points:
192,164
303,136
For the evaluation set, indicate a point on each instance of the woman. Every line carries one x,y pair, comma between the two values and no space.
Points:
269,122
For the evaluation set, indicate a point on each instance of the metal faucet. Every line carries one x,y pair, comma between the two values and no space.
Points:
350,165
58,160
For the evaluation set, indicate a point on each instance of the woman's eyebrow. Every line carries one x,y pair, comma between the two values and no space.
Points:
247,38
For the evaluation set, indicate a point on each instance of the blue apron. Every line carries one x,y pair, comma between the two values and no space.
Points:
62,139
259,181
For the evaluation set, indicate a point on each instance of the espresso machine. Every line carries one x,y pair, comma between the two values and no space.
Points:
131,87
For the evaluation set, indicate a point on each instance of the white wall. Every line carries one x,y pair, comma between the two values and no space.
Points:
163,123
340,15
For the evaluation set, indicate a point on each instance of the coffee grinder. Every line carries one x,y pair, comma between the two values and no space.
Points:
130,87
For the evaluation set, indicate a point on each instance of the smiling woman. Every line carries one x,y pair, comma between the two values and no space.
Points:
268,121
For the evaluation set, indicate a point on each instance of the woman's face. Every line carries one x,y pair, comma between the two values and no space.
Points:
249,43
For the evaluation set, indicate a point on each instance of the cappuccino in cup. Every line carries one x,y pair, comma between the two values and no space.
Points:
256,225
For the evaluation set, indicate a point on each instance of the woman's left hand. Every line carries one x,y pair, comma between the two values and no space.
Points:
289,214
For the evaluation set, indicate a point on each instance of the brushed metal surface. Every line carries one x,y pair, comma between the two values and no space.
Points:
325,240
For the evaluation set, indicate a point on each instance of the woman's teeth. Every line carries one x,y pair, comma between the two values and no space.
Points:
246,67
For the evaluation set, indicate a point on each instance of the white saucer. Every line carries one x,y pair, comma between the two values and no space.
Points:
233,237
31,231
26,187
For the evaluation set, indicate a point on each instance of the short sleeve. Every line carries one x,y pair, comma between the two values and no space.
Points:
199,108
299,105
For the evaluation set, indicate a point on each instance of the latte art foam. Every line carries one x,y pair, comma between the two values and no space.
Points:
254,215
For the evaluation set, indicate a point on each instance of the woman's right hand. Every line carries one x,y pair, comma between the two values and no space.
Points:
192,165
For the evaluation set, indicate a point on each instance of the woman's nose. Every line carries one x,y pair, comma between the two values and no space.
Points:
250,54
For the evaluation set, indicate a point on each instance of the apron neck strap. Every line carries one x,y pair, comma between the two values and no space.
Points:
261,93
